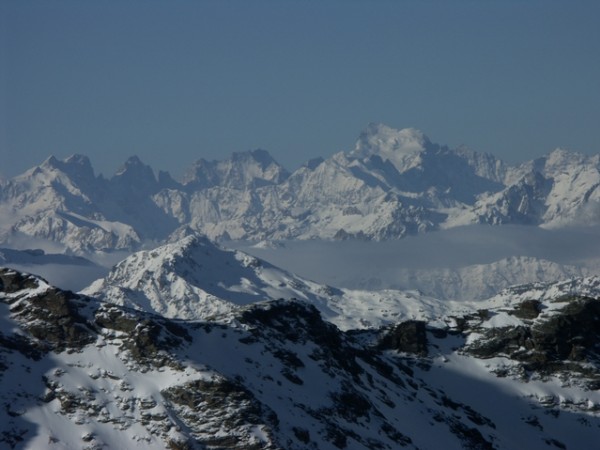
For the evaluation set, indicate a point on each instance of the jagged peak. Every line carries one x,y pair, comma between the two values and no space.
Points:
134,167
78,159
79,163
313,163
132,162
51,161
403,148
259,155
563,155
559,160
181,246
241,169
75,166
378,138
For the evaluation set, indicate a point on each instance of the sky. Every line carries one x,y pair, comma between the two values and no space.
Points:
176,81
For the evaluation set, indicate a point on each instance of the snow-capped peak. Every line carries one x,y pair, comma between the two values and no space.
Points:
75,166
134,165
194,278
136,177
377,138
401,147
50,161
240,171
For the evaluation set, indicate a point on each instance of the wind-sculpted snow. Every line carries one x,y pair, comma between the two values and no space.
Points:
395,183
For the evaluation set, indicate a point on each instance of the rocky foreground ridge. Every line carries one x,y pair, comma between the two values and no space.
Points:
77,372
393,184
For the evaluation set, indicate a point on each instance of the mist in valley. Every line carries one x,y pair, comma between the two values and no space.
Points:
469,262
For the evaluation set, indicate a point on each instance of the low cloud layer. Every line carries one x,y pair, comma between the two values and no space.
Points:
389,264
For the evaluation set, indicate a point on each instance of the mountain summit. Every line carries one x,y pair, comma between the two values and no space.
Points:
193,278
393,184
243,170
401,147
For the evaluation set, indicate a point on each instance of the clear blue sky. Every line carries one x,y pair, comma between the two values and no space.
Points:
180,80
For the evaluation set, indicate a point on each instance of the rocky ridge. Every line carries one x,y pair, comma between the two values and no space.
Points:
274,374
271,374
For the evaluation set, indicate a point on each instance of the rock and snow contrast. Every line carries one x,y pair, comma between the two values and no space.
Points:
522,371
191,342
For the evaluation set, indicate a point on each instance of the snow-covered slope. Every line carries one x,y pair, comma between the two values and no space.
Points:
59,201
76,372
393,184
194,278
548,291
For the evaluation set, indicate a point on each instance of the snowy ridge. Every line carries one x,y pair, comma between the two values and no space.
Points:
400,147
196,279
556,190
59,201
274,375
193,278
393,184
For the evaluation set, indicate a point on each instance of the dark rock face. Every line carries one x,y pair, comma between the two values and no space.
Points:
567,340
54,318
528,309
11,281
409,337
284,316
51,316
502,341
573,334
207,406
149,339
300,323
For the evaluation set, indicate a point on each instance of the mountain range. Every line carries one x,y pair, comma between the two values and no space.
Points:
188,343
117,366
393,184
